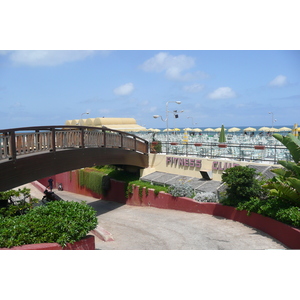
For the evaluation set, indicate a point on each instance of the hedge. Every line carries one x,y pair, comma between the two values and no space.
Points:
57,222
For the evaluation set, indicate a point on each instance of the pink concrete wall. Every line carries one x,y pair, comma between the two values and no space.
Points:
70,183
286,234
87,243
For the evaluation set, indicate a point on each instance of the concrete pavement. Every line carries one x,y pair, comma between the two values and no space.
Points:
148,228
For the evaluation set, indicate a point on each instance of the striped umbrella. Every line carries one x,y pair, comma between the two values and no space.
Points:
185,139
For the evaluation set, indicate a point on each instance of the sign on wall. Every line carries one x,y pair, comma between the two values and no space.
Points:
197,163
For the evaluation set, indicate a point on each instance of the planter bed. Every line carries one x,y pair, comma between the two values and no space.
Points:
222,146
87,243
259,147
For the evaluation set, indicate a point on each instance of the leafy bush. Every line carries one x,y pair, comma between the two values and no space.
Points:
157,147
286,183
241,185
206,197
57,222
274,208
20,202
181,190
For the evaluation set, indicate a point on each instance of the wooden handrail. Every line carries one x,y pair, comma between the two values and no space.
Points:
20,141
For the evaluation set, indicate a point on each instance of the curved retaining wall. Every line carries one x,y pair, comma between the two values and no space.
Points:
286,234
87,243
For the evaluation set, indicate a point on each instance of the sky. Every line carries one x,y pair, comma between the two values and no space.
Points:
215,87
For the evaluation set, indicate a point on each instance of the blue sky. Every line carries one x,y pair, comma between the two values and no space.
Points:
234,88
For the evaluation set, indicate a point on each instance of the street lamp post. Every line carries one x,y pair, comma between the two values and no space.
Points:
192,120
86,113
167,120
273,120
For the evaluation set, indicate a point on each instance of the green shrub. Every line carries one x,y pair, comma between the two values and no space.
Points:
274,208
157,148
290,216
181,190
241,185
57,222
21,199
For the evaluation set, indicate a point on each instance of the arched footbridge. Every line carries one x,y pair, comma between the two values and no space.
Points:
31,153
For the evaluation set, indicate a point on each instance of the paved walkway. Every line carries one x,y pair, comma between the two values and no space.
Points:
138,228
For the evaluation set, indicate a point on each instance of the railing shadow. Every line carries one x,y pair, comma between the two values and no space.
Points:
104,206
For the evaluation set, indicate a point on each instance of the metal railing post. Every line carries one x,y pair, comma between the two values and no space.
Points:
82,137
122,142
12,148
104,138
53,139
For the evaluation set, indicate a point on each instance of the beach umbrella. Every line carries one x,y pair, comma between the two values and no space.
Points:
249,129
176,129
219,129
273,129
264,129
209,129
167,130
188,129
234,129
197,129
222,138
285,129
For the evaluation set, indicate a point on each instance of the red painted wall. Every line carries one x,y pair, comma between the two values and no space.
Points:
286,234
70,182
87,243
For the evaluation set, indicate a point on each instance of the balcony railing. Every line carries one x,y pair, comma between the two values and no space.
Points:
240,152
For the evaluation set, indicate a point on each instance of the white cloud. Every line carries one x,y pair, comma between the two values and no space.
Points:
222,93
104,111
278,81
47,58
124,89
173,66
194,88
153,109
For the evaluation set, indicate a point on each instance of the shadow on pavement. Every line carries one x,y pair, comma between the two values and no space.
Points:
104,206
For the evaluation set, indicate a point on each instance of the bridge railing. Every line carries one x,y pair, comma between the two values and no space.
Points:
27,140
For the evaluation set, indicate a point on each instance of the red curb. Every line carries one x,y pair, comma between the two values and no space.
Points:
87,243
